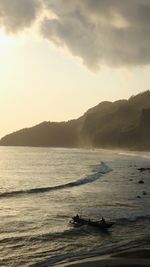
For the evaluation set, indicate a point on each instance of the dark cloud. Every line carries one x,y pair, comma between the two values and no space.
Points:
15,15
111,32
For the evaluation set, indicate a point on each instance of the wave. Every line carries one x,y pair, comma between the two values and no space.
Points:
131,154
71,232
70,256
126,221
42,237
98,172
145,154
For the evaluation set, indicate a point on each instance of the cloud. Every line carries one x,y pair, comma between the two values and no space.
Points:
110,32
100,32
15,15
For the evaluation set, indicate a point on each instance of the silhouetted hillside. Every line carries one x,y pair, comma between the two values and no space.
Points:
119,124
53,134
139,136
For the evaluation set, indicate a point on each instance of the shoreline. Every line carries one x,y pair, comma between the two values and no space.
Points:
128,258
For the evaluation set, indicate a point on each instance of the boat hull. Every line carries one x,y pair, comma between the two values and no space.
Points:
98,224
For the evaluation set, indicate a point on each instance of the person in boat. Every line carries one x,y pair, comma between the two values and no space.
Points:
76,218
103,220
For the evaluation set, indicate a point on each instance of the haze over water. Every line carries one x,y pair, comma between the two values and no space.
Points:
42,188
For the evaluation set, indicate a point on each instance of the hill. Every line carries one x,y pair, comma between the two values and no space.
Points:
120,124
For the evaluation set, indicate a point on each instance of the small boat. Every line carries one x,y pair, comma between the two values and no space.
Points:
102,224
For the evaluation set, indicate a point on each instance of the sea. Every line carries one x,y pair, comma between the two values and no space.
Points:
41,189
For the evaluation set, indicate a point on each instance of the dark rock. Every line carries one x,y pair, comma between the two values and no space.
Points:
141,182
144,169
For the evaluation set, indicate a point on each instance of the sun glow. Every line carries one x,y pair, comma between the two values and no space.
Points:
6,42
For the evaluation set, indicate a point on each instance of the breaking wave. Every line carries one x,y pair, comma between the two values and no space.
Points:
98,171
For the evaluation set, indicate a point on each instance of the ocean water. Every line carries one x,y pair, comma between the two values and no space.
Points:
42,188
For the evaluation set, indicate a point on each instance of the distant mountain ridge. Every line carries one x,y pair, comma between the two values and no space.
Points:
120,124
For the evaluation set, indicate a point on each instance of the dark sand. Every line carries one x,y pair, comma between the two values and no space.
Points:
132,258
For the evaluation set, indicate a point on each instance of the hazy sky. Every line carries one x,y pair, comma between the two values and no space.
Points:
59,58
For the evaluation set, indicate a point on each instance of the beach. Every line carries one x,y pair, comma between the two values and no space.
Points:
130,258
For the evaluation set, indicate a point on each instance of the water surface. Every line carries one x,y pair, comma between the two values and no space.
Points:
42,188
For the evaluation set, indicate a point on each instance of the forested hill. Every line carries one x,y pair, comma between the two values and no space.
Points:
120,124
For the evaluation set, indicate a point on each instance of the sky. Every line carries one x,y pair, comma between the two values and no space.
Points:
58,58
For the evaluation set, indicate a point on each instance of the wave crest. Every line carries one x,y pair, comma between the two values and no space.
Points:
98,172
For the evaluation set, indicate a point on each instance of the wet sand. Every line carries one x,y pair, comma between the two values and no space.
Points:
132,258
